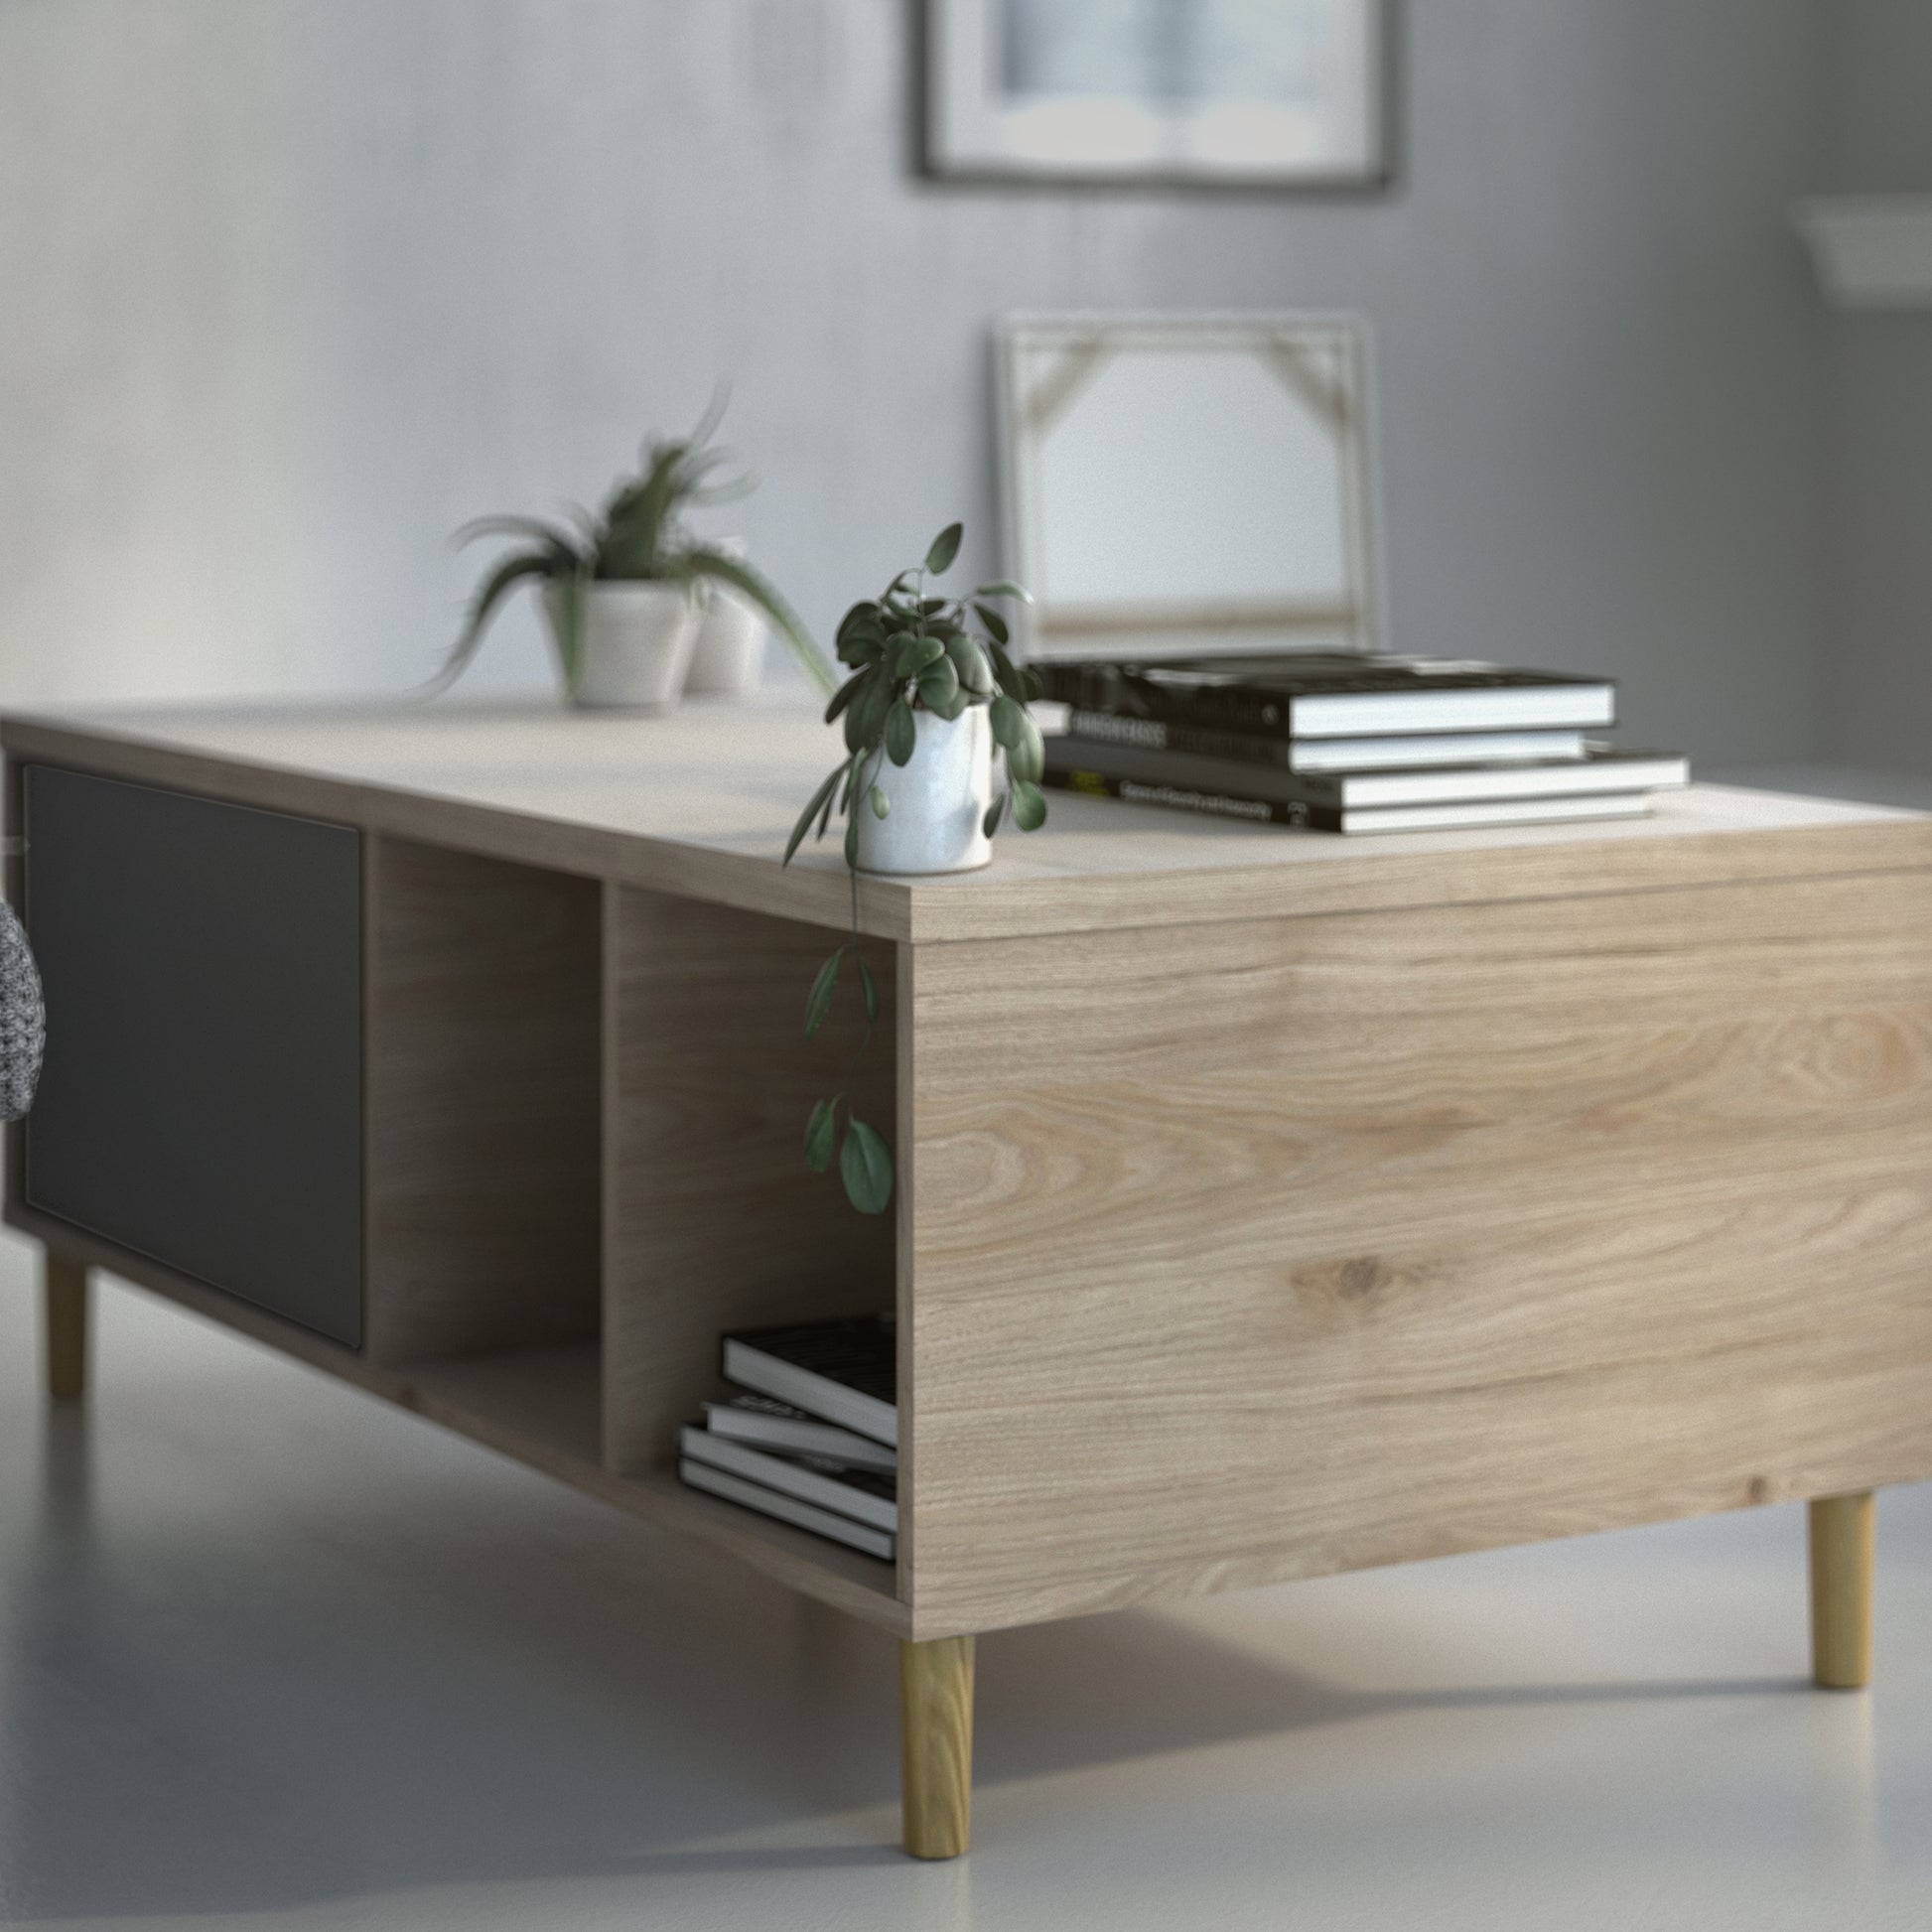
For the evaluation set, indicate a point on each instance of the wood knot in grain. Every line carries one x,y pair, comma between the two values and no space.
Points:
1344,1288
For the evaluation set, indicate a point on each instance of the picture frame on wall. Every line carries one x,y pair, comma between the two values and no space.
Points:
1290,93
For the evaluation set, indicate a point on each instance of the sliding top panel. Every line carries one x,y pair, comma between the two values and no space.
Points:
698,805
203,1093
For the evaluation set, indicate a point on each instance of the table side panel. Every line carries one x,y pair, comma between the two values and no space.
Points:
1276,1248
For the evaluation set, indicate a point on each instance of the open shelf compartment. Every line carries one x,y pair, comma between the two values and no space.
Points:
484,1098
712,1221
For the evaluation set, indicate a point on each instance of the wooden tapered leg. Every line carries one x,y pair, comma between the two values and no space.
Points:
935,1724
1841,1590
65,1284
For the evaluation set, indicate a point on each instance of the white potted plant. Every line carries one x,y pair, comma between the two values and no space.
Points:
623,592
931,697
727,658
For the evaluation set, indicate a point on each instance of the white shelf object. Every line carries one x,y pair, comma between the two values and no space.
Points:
1874,251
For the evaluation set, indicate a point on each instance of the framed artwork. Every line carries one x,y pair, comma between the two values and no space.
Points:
1290,93
1189,485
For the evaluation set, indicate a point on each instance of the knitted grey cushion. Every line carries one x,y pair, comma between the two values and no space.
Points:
23,1018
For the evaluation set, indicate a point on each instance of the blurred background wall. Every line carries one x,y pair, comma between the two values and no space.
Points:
1875,641
294,287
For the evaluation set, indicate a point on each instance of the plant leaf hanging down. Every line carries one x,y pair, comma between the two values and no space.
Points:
907,652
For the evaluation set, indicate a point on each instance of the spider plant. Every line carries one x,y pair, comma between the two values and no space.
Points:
639,537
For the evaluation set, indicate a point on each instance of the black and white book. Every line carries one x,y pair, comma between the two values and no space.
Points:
1374,819
1324,696
789,1509
845,1372
771,1425
1327,754
1604,769
865,1495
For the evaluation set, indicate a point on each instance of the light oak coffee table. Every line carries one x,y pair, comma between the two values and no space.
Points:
1270,1203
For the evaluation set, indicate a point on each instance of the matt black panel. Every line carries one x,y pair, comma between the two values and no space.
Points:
201,1097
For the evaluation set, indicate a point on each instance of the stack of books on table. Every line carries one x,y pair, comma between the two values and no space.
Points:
1349,744
813,1438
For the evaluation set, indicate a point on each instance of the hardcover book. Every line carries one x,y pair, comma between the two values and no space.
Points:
789,1509
1326,753
865,1495
1603,769
1374,819
845,1372
1335,696
767,1424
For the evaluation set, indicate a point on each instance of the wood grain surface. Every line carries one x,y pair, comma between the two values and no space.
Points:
713,1220
1841,1533
698,803
483,1095
935,1727
1269,1249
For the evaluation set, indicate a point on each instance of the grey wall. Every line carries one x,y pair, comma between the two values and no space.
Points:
1876,638
295,288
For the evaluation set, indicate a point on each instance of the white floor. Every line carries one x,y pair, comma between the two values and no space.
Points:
272,1654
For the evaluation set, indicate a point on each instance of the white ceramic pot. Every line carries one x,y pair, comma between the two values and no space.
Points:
728,657
938,799
636,643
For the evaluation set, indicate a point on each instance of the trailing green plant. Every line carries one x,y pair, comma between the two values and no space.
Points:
909,651
639,537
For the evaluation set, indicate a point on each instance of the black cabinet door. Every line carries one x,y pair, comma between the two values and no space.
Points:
201,1099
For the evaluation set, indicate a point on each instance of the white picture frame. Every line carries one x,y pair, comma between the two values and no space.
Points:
1273,413
1290,93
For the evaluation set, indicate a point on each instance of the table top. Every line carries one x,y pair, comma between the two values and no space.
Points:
701,801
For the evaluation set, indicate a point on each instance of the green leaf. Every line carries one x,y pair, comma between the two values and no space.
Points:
1027,756
820,798
842,697
945,547
871,987
1028,806
825,811
551,537
881,806
570,626
497,586
996,626
994,814
931,607
1029,685
865,718
974,668
866,1167
1005,586
953,708
821,1132
902,735
1008,720
938,683
819,1003
1009,677
852,842
914,654
861,647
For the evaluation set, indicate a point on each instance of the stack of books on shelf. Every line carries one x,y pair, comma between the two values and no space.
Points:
1349,744
813,1440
